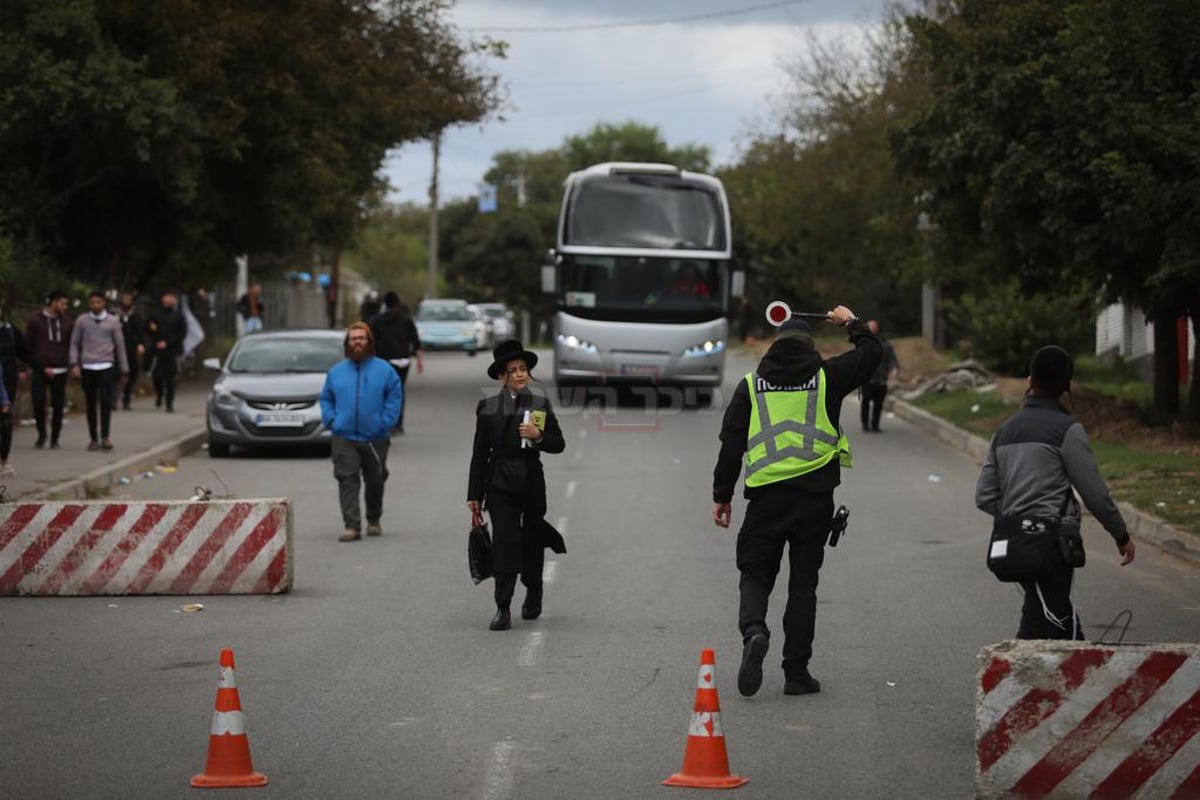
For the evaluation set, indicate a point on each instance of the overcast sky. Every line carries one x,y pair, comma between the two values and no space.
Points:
703,81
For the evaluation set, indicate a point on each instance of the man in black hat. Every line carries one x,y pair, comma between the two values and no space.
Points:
1037,456
512,429
166,329
784,420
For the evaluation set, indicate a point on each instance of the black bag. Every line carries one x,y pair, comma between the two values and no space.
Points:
479,550
1020,550
1070,544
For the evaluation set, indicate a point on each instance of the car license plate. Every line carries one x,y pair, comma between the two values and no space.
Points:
648,370
277,419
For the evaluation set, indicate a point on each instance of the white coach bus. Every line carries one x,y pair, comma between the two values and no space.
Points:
643,275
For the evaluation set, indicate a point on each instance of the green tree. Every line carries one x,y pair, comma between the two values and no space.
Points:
1062,149
161,137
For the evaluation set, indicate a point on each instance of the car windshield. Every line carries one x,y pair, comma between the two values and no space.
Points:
291,354
494,312
447,313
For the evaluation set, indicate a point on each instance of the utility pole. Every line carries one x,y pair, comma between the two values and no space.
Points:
431,287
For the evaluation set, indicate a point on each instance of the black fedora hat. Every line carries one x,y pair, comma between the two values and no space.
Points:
508,351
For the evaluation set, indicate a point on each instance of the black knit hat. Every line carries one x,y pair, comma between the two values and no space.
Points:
796,324
507,351
1051,369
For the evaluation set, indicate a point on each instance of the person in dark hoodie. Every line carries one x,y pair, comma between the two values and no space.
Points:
13,346
1034,460
398,343
132,327
784,418
49,334
166,329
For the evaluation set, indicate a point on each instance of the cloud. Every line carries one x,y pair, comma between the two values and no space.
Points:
698,83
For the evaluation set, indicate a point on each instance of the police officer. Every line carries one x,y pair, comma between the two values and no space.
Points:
784,419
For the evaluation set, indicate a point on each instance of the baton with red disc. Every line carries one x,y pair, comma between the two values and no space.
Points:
779,312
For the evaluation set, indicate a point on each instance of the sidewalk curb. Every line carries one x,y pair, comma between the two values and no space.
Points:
86,486
1141,525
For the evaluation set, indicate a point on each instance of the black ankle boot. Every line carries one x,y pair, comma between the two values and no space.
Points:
502,621
532,608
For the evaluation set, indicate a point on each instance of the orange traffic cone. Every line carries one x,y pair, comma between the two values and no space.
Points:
705,763
228,746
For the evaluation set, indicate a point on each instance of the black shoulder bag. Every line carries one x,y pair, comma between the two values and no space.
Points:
1022,549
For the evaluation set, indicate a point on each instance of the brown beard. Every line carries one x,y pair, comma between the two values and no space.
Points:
359,352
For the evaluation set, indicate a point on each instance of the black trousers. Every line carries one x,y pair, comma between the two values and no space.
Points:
783,515
166,365
58,401
130,379
513,549
356,464
871,404
1053,600
402,374
6,420
98,391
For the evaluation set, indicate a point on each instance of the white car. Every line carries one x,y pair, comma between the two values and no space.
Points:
484,338
504,327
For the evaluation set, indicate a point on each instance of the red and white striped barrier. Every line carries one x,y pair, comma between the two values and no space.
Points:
1073,719
133,548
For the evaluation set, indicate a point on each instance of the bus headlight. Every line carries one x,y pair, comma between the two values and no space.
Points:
573,342
706,348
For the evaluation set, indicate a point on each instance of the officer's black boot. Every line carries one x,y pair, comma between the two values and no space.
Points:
505,584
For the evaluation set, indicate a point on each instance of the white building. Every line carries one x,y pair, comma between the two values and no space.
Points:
1123,332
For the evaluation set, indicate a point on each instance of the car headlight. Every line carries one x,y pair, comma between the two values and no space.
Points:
707,348
467,332
575,343
224,399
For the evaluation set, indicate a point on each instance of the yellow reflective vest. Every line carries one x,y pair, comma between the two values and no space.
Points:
790,432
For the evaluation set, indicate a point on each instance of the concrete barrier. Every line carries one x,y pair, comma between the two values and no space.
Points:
136,548
1074,719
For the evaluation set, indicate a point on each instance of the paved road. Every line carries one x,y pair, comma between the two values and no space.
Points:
378,677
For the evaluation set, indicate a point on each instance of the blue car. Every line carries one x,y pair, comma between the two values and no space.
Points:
447,325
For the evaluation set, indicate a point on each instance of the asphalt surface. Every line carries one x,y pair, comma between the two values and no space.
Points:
377,675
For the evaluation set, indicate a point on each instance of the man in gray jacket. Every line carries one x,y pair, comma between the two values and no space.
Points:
1035,459
97,355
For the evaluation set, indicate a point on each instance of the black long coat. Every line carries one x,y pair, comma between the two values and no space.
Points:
500,465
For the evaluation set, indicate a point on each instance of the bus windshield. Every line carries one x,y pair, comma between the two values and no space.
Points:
648,211
665,288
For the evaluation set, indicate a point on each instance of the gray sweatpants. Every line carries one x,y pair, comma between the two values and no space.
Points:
353,464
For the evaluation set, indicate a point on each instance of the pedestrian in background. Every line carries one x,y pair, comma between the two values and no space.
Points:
398,343
360,403
370,306
13,346
1035,460
784,419
49,335
132,328
166,328
6,415
98,356
506,477
875,390
250,306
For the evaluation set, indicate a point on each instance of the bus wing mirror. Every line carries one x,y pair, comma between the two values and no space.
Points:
549,274
737,283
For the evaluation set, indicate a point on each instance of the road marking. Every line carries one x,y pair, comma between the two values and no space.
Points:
499,780
531,653
548,571
562,525
570,489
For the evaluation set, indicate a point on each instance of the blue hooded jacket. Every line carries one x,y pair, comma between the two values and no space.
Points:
361,400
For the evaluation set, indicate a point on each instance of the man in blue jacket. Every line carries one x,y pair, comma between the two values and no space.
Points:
360,402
